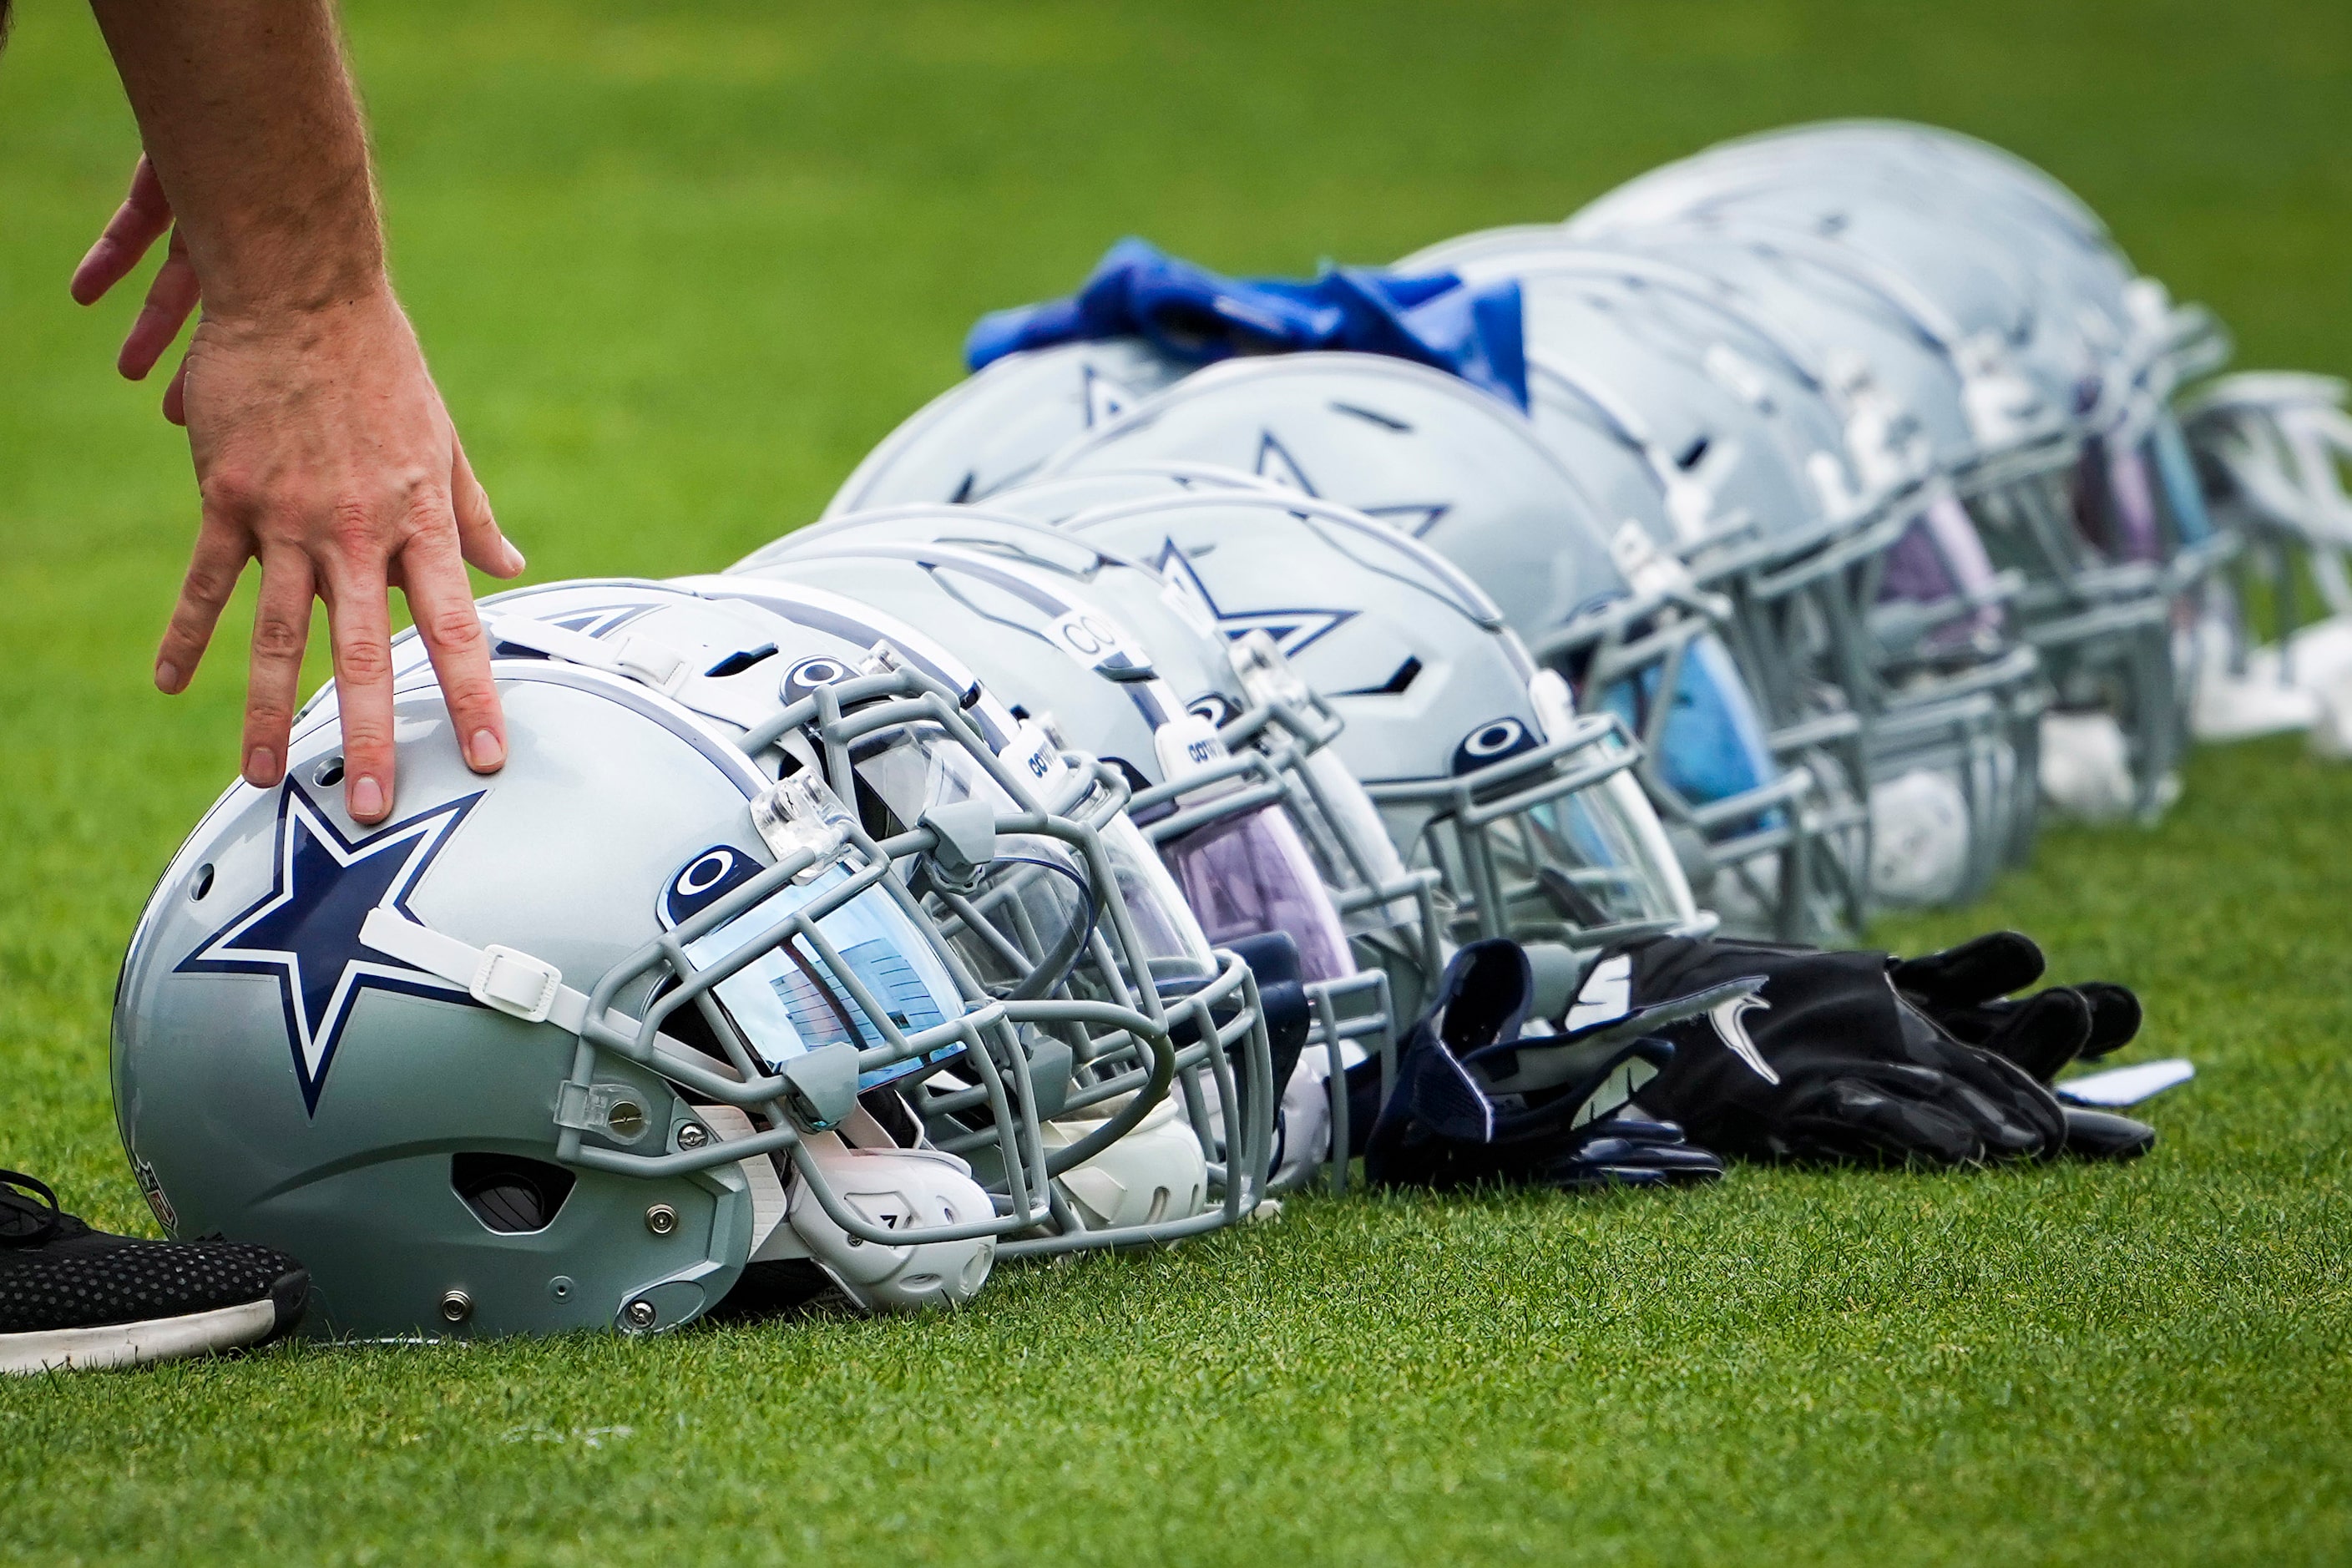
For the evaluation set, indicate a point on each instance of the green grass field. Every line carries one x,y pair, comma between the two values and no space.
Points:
677,268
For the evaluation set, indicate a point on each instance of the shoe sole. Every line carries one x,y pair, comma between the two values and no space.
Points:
159,1339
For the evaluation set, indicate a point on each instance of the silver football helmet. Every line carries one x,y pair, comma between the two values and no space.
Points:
2275,449
2115,336
994,429
2099,602
1443,462
1267,833
1791,479
1528,812
770,946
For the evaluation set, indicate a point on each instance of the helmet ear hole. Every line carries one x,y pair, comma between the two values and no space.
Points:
510,1194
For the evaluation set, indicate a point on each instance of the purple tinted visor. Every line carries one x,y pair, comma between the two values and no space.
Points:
1939,558
2115,503
1250,875
2131,491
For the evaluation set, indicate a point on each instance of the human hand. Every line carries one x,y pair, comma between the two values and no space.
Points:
321,450
144,215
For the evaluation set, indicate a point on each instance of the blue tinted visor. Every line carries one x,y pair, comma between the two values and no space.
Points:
1713,746
788,1000
2176,475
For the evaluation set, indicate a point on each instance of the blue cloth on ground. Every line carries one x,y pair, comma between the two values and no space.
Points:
1193,314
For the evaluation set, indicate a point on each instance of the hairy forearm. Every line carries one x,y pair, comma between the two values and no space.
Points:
247,112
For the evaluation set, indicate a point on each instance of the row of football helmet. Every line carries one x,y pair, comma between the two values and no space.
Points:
1072,840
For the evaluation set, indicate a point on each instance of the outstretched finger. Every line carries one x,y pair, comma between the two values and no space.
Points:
360,621
441,601
222,550
143,215
170,299
282,629
477,529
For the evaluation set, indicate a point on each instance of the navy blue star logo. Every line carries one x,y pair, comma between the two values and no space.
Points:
1277,466
305,932
1291,630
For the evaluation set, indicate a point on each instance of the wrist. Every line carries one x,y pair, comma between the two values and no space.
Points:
292,257
292,283
319,300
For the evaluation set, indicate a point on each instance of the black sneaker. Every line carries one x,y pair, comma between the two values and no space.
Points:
71,1296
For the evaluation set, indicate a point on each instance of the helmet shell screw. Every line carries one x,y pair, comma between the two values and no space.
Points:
639,1314
693,1135
455,1306
661,1219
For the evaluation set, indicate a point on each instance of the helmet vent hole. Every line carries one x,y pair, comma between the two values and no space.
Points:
203,883
738,662
328,774
1386,421
510,1194
1397,684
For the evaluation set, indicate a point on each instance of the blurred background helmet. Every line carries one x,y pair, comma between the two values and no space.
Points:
1790,479
2273,449
2103,571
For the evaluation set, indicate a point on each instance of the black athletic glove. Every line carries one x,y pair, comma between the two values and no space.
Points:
1826,1062
1966,990
1477,1104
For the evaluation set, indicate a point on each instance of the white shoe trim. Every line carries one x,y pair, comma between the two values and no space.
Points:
134,1344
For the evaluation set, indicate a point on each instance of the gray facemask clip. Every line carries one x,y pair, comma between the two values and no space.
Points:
822,1087
966,831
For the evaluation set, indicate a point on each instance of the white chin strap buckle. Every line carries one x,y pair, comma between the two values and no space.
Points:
651,662
515,984
641,658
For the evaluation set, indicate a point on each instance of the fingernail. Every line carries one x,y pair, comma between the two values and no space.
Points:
515,562
261,767
485,752
167,675
366,798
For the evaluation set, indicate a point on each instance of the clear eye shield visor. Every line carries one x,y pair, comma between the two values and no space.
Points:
1548,841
